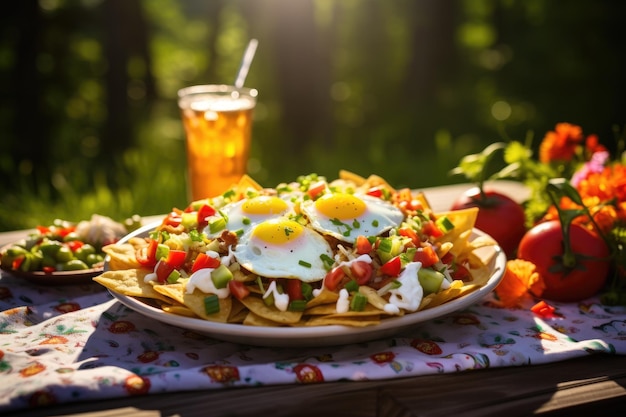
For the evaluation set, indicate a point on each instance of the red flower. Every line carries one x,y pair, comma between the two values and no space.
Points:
560,144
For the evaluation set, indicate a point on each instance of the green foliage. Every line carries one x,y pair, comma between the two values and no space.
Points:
399,88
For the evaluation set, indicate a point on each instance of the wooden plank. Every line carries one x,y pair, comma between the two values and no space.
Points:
562,387
544,389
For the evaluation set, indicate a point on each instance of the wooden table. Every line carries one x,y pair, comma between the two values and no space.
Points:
573,387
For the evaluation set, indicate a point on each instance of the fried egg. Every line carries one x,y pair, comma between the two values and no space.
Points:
283,248
346,216
242,215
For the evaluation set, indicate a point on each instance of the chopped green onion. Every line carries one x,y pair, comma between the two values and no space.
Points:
195,236
228,194
358,302
375,223
445,224
221,275
408,256
304,263
217,225
327,260
211,304
352,286
269,300
173,277
390,286
307,291
297,305
162,251
385,245
246,221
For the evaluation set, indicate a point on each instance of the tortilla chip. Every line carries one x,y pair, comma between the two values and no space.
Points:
326,296
121,256
456,290
195,301
372,297
179,310
238,312
256,320
353,321
257,306
129,282
463,221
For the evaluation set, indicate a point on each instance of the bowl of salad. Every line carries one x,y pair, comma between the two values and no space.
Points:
64,252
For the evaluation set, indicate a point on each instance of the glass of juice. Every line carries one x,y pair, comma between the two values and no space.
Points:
218,128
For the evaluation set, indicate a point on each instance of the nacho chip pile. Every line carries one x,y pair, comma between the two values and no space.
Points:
353,251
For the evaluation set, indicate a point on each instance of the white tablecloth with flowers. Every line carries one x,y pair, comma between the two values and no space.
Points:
72,343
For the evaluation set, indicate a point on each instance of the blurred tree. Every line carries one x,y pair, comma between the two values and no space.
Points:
126,41
400,88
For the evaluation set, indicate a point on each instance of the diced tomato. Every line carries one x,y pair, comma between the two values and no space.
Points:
411,234
204,212
316,189
333,278
426,255
361,272
172,219
49,269
43,230
74,245
176,258
146,256
238,289
375,192
17,262
460,272
163,270
204,261
392,267
363,245
448,258
431,229
293,288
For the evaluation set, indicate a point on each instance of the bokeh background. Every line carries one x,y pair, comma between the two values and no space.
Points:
400,88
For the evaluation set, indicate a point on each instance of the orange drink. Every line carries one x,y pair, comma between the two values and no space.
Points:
218,128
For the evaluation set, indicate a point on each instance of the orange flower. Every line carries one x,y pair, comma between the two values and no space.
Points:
519,279
608,184
560,144
593,145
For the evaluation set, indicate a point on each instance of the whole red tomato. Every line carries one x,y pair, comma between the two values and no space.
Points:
543,246
499,216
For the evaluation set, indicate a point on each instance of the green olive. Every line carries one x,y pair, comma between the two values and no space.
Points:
71,236
73,265
64,254
15,251
50,247
48,260
93,258
84,251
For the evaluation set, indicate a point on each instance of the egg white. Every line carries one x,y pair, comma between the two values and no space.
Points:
332,214
281,248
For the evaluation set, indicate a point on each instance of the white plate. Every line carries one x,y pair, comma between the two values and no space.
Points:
318,335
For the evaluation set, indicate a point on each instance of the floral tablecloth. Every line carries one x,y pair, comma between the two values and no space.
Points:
71,343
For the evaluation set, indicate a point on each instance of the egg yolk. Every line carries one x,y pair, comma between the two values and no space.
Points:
278,232
264,205
340,206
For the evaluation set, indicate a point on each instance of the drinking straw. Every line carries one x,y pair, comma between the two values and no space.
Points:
246,61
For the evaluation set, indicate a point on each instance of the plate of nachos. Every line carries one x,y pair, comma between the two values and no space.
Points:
307,263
